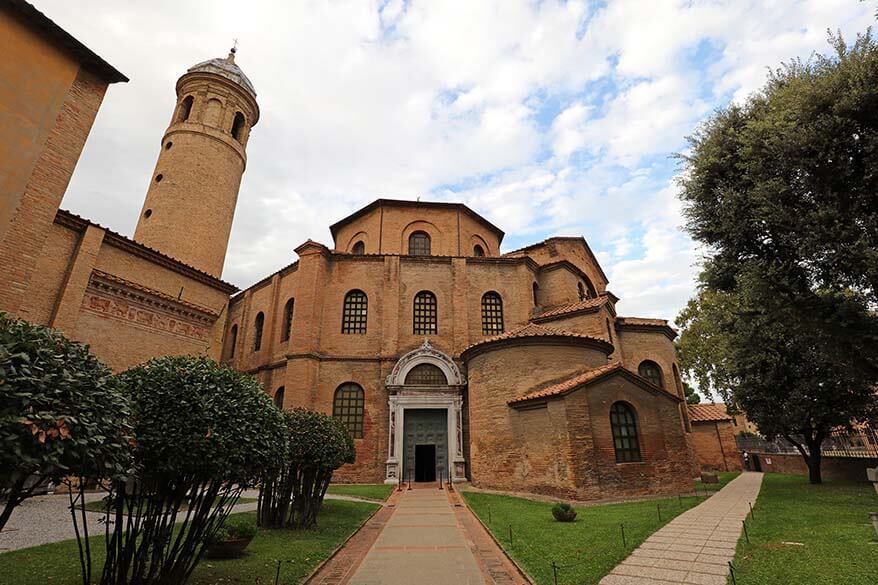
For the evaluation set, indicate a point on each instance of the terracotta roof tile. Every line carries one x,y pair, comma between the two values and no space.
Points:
571,308
153,292
533,330
708,412
634,322
569,384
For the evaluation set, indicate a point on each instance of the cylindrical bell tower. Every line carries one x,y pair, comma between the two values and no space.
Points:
193,191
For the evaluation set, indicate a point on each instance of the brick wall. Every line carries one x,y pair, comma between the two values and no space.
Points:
714,446
832,468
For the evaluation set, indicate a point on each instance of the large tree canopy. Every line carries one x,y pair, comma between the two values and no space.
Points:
783,191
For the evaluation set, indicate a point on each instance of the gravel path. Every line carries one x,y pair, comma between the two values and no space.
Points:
45,519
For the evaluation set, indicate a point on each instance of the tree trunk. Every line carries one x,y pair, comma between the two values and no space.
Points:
813,460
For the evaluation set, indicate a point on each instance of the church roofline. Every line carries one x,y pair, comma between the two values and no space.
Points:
90,60
406,203
533,333
565,238
645,324
73,221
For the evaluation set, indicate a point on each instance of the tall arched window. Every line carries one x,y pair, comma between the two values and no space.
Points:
581,289
355,312
233,340
359,248
279,397
492,314
287,328
238,126
625,439
652,372
419,244
424,321
478,251
185,108
348,406
258,326
536,288
426,375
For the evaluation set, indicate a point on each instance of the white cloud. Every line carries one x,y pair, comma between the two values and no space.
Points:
548,117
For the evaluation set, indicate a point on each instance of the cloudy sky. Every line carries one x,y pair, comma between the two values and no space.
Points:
549,118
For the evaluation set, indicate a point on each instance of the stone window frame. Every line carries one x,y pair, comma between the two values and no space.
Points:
258,328
651,371
419,244
626,435
349,407
425,314
355,313
492,313
287,323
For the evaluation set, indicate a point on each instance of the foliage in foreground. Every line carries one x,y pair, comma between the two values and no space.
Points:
60,413
809,534
291,494
781,190
202,433
299,552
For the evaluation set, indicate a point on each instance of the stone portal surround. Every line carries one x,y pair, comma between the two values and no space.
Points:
696,546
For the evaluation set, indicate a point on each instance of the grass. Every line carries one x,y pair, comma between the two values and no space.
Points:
378,491
586,549
831,521
299,552
100,505
724,478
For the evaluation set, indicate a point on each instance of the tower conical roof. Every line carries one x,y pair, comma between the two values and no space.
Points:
226,68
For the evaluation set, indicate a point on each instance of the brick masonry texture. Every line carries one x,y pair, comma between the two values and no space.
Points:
715,447
160,294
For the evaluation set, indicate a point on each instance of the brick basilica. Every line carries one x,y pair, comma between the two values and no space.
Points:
444,356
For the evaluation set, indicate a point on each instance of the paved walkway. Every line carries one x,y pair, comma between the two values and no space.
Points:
696,546
424,536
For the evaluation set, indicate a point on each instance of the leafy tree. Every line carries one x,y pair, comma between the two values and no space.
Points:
60,413
782,190
292,493
692,397
202,433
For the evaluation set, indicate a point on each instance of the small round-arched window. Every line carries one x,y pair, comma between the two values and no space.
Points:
359,248
478,251
419,244
279,397
238,126
652,372
426,375
626,442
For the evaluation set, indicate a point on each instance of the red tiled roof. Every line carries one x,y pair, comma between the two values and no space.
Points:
534,330
568,385
635,322
150,291
708,412
570,308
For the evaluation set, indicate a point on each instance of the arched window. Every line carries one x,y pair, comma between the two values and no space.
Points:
238,126
652,372
348,406
609,331
355,312
581,288
185,108
426,375
478,251
536,288
359,248
258,325
279,397
424,320
625,440
233,340
419,244
288,321
492,314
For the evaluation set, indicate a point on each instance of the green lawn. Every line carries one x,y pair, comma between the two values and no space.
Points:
586,549
298,551
100,505
724,478
831,521
376,491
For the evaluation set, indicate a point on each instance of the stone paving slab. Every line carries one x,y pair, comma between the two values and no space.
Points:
695,547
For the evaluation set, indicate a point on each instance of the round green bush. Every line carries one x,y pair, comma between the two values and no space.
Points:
563,512
318,440
61,412
196,419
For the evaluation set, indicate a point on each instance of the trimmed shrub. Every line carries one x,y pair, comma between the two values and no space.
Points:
292,494
61,413
202,433
563,512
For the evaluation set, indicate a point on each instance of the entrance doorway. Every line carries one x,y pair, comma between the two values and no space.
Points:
425,462
425,444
